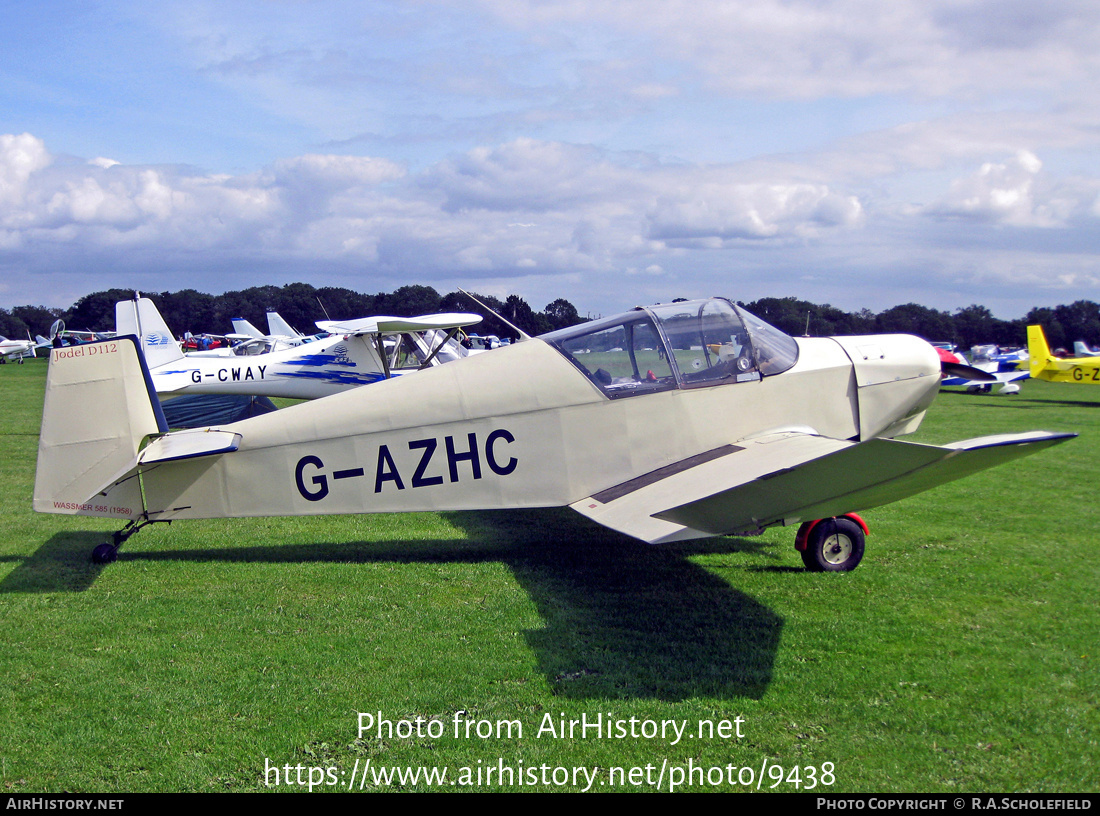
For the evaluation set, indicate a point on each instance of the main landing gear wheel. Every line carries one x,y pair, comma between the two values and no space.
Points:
834,545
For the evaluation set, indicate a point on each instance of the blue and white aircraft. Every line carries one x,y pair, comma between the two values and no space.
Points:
357,353
1002,366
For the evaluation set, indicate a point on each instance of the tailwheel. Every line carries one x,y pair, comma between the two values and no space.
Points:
107,552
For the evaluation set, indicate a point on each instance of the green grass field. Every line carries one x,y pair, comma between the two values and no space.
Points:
961,656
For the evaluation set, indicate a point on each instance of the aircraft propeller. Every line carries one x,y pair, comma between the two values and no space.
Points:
951,367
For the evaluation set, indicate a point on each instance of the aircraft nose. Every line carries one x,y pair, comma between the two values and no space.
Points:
897,377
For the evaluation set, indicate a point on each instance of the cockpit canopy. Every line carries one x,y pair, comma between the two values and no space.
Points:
676,345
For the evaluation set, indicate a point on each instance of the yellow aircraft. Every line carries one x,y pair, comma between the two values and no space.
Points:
1045,366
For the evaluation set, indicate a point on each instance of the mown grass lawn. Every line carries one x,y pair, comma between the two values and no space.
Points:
961,655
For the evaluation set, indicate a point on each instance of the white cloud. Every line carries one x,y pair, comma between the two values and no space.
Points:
709,210
471,212
1009,193
334,172
20,157
843,47
549,214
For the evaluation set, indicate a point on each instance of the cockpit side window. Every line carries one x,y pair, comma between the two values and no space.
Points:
624,357
253,347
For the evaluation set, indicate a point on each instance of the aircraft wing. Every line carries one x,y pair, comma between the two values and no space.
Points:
787,478
374,325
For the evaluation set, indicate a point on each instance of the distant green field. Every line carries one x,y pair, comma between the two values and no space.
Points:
962,655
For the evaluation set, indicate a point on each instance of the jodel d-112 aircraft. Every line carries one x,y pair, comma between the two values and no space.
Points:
666,423
364,351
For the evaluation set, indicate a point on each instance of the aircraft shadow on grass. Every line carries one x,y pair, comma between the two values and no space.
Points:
622,620
59,565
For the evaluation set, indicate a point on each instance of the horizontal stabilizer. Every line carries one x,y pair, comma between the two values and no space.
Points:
188,445
792,477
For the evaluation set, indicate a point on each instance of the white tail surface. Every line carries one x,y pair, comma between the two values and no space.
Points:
242,326
140,318
99,408
279,327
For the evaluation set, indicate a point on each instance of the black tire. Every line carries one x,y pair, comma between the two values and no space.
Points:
834,545
104,554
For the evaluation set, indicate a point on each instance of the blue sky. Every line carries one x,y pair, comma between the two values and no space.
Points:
854,152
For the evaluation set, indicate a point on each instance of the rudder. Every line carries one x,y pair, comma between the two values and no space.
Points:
1037,349
99,408
140,317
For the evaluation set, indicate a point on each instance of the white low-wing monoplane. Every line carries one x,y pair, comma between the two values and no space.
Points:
370,350
17,349
671,422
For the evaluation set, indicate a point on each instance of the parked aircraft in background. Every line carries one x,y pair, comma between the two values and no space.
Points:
16,349
666,423
477,343
1006,360
364,352
211,345
277,329
248,341
987,360
1045,366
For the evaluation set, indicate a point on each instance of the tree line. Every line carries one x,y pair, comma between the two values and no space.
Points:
302,304
968,326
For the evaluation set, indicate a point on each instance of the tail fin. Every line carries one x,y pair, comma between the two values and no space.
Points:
99,408
139,317
1037,349
277,326
242,326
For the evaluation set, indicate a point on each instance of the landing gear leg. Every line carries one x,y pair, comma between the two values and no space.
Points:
107,552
